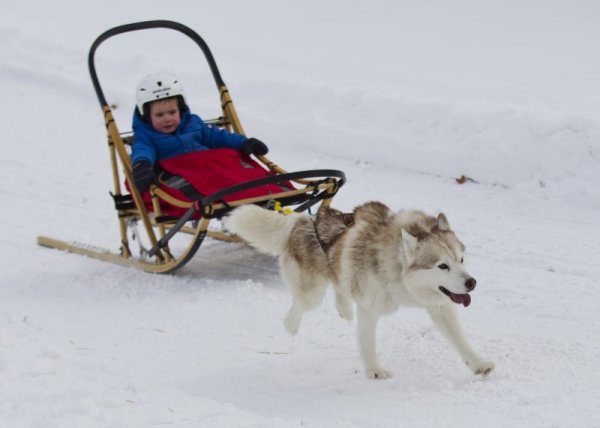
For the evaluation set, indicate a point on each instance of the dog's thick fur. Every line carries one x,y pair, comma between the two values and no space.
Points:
384,260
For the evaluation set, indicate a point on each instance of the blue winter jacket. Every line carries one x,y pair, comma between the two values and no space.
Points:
191,135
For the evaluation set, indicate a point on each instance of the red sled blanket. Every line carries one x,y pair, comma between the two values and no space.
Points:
208,172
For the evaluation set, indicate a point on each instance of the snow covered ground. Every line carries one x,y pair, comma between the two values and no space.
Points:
403,96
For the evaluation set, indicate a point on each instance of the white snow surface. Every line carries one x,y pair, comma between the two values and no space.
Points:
404,96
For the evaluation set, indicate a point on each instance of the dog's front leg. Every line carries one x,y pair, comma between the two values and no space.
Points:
446,319
367,325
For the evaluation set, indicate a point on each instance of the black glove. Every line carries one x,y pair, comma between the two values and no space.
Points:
252,146
143,175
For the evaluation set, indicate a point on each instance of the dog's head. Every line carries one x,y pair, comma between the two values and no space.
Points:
434,261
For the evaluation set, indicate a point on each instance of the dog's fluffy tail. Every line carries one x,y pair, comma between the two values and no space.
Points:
266,230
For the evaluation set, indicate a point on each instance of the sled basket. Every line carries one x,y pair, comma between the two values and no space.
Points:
175,214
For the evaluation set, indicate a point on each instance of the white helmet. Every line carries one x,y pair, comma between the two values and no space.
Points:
157,86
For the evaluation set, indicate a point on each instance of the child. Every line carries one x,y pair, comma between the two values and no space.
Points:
164,128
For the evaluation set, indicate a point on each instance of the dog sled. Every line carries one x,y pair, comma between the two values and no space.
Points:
168,223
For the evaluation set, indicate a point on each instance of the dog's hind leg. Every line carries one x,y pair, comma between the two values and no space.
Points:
293,318
367,325
308,290
446,320
343,300
304,302
343,304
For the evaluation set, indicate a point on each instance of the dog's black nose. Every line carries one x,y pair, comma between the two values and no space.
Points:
470,283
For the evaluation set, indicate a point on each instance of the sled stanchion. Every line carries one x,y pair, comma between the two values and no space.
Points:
229,111
125,251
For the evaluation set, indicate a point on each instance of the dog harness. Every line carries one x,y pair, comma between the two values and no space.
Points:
346,218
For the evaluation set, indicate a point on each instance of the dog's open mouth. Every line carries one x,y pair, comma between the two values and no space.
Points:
462,299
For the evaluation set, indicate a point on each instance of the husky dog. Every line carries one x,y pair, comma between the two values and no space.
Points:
375,257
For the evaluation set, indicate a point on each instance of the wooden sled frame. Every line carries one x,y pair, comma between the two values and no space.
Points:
312,186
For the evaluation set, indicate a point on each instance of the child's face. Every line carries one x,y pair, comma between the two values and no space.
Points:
164,115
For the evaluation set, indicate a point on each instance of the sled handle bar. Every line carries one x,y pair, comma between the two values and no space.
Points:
144,26
217,196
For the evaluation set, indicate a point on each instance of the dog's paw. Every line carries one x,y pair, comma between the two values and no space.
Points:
481,367
378,373
292,325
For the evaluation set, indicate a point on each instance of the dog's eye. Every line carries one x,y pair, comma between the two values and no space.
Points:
444,266
462,259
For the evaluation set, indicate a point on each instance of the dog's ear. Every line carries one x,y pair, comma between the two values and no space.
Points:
409,243
442,222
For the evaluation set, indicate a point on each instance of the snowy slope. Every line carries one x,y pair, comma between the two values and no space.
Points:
403,96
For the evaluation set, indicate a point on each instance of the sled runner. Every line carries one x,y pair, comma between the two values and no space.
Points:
170,221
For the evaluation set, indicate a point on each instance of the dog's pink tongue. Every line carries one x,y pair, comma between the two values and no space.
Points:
466,299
